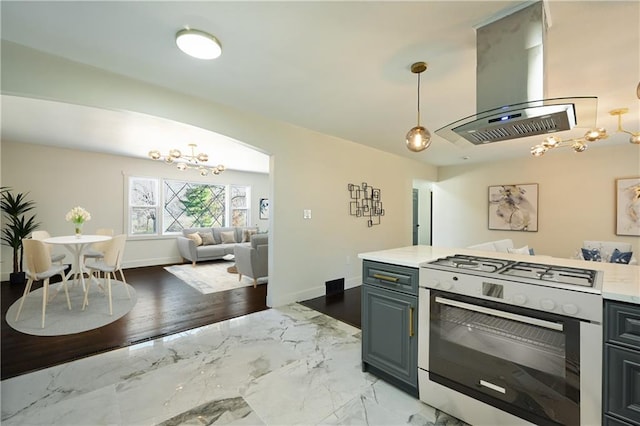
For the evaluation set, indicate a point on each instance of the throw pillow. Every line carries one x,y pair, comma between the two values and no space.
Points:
246,235
207,238
521,250
228,237
592,255
621,257
195,237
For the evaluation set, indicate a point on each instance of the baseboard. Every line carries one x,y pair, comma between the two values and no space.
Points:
310,293
151,262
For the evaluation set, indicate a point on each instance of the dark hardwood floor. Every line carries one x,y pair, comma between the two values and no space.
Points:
343,306
165,306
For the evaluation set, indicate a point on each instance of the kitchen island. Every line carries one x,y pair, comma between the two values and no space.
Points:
617,285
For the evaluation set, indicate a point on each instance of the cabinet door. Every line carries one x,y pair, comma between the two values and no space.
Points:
389,332
622,324
622,383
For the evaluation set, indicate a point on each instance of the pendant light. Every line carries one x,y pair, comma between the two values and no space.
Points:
418,138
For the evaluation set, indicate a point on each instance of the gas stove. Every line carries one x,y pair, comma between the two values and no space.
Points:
575,292
487,323
577,279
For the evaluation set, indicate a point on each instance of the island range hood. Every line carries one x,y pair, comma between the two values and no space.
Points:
510,85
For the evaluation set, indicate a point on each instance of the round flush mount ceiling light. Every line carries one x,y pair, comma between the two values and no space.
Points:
198,44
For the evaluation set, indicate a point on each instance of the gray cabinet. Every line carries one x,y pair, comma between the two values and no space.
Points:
390,324
621,396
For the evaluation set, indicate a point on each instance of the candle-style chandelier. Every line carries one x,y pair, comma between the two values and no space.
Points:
191,161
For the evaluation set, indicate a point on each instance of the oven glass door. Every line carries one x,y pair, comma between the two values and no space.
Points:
519,360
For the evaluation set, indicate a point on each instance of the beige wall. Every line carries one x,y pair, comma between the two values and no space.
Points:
308,171
576,198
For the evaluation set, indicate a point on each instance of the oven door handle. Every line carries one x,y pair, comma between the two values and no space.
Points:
501,314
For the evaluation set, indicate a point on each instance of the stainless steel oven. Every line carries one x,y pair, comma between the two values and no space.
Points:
503,348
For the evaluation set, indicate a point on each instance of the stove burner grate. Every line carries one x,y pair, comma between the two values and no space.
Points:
464,264
476,263
544,274
527,272
552,273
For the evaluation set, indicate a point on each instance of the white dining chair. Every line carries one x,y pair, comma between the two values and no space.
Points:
43,235
109,264
38,266
96,250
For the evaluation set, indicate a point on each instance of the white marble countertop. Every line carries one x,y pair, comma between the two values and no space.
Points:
620,282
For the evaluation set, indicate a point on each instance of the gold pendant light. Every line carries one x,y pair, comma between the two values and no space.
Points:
418,138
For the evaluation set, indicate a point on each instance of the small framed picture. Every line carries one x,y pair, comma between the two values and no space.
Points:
264,208
628,206
514,207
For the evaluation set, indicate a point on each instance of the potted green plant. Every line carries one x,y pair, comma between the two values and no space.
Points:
16,226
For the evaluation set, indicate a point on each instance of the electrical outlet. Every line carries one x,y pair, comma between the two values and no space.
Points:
306,214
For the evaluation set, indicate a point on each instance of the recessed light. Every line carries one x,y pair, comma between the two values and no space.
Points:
198,44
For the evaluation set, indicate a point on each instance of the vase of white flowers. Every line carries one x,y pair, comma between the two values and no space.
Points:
78,216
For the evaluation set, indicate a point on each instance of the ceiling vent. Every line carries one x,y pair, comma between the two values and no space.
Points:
510,84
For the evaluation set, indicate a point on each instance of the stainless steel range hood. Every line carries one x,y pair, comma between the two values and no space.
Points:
510,85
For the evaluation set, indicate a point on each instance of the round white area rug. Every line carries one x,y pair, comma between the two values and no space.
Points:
59,320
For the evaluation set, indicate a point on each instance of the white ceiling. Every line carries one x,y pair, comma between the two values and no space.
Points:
340,68
121,133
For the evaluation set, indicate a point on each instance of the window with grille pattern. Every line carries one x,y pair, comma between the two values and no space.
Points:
189,205
185,205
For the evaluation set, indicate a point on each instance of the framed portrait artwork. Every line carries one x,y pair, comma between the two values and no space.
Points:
514,207
628,206
264,208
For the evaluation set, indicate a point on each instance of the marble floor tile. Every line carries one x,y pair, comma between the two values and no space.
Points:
283,366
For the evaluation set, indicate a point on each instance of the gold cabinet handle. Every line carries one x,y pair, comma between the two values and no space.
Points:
411,322
385,278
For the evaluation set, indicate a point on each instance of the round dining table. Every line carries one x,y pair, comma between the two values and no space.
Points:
76,245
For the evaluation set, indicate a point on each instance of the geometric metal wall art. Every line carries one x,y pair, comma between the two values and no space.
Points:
365,202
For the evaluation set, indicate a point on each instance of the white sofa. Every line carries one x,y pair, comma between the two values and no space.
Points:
606,248
502,246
